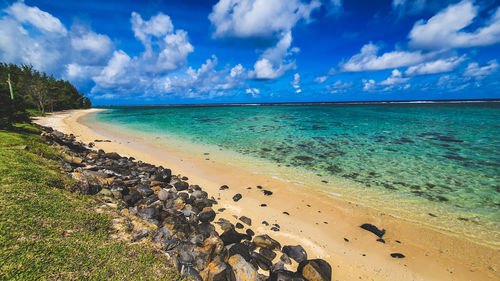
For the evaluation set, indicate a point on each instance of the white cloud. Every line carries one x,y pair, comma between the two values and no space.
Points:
258,18
445,30
474,70
296,81
367,59
272,63
368,85
436,66
115,73
44,21
253,91
271,19
157,26
320,79
176,48
339,87
204,82
395,79
89,47
29,35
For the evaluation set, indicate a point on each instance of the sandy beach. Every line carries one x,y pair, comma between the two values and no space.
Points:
328,227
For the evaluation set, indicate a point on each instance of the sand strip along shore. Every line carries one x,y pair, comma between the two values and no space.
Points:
315,220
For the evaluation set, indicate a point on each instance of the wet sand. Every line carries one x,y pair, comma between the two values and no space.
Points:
315,220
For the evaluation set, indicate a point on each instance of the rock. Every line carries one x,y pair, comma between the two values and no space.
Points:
237,197
397,255
268,254
140,235
297,253
145,191
262,261
285,259
181,185
199,194
105,193
278,266
206,215
267,192
191,273
112,155
163,195
218,271
239,225
246,220
250,232
147,213
132,198
284,275
315,270
231,236
373,229
224,187
266,242
242,250
243,270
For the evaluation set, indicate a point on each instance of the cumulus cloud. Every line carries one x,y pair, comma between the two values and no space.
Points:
445,30
43,21
157,26
296,83
253,91
474,70
436,66
395,79
368,59
368,85
29,35
258,18
204,82
272,63
271,19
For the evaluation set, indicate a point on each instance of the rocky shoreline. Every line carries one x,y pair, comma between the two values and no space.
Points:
181,218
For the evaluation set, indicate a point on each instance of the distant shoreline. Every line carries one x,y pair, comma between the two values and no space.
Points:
451,101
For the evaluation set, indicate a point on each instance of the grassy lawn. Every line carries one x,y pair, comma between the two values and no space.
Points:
47,232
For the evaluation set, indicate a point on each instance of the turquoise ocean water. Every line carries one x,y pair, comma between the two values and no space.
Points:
444,156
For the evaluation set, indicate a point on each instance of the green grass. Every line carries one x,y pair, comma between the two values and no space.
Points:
47,232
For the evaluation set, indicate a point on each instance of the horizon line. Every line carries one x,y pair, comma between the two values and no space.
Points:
310,103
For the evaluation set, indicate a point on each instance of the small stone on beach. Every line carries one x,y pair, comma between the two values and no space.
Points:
237,197
397,255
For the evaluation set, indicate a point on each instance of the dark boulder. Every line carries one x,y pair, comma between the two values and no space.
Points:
237,197
262,261
297,253
373,229
206,215
266,242
315,270
285,275
246,220
181,185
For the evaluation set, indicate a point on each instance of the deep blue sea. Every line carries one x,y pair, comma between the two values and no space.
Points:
444,155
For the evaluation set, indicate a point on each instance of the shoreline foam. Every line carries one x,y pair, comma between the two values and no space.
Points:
430,255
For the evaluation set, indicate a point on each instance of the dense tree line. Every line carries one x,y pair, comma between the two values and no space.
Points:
34,90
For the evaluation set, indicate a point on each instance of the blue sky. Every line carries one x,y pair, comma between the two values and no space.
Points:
199,51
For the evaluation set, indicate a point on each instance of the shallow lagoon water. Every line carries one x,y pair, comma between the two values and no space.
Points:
442,155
